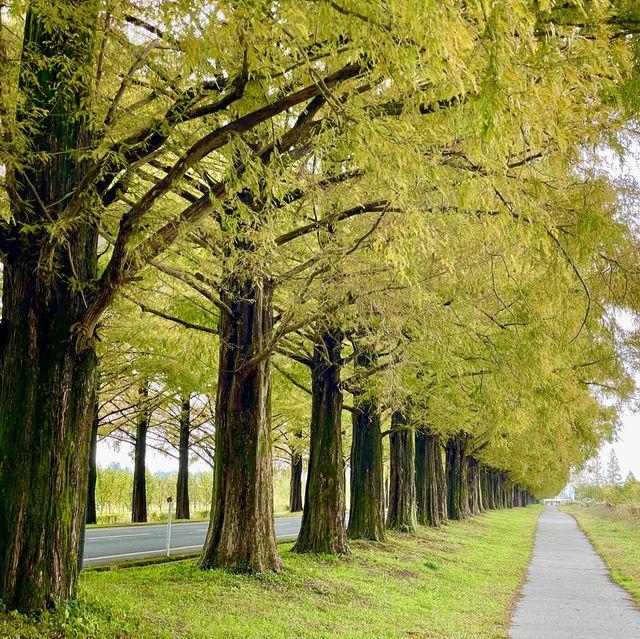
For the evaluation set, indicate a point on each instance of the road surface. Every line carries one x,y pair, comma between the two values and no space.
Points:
125,543
569,593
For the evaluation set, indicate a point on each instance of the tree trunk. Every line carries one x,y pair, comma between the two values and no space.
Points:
92,517
473,477
428,478
322,529
402,485
139,498
366,513
485,483
241,534
457,478
47,384
441,483
295,484
182,486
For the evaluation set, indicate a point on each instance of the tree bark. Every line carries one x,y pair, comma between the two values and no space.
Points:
47,383
441,481
92,516
429,480
457,478
322,529
366,512
295,485
402,485
474,491
139,497
241,534
182,486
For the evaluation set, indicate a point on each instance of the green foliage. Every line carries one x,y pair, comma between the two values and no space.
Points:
625,495
114,486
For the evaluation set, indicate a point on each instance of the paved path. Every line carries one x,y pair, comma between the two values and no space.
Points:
569,593
124,543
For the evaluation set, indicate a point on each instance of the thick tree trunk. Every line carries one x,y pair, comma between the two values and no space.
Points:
139,498
47,383
295,485
241,534
46,408
441,477
487,499
182,486
474,490
322,529
402,492
457,478
429,480
366,512
92,516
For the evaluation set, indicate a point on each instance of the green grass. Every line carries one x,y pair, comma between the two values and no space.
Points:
459,582
616,537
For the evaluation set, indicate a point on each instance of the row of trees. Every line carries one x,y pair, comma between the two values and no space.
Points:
389,200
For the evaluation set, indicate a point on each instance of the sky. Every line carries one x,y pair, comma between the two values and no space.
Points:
156,462
627,447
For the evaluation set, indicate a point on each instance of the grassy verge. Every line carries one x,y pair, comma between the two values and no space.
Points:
455,583
616,537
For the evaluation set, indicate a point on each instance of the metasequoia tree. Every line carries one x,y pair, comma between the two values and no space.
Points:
124,127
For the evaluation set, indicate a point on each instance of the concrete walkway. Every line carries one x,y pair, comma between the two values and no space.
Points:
569,593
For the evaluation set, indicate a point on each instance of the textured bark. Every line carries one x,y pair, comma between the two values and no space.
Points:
47,384
457,478
429,479
182,486
402,484
322,529
295,485
474,489
139,498
441,478
366,512
92,516
241,534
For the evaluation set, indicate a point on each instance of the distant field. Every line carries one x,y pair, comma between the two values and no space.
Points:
615,534
459,582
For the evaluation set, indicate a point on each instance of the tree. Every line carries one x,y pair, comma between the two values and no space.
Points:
127,130
614,476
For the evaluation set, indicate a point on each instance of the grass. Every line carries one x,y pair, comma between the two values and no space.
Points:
459,582
616,537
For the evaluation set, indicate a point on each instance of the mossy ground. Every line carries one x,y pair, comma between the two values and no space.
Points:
458,582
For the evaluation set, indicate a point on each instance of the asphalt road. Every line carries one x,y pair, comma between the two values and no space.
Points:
125,543
569,593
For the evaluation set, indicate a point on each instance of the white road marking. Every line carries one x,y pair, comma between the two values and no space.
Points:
120,536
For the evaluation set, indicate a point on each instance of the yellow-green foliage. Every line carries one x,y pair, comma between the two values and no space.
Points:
412,172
